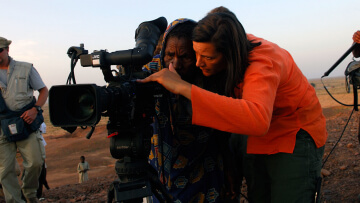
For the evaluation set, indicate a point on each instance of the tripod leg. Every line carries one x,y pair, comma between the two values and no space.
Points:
158,189
110,195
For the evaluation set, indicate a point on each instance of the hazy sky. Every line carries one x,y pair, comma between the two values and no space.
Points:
315,32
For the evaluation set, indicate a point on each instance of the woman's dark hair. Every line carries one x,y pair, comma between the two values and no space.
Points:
221,9
182,30
221,28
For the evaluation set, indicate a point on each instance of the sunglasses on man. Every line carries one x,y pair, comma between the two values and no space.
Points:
2,49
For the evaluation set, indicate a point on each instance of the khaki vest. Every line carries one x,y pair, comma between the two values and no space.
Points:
18,93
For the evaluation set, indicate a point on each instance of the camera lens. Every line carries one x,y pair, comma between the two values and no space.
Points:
80,104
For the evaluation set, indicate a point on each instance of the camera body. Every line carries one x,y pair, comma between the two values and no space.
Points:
128,104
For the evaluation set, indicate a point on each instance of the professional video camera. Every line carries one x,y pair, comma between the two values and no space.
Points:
128,104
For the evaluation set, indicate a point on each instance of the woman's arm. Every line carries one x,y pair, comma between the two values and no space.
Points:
171,81
251,115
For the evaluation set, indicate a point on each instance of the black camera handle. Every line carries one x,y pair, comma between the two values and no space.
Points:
74,53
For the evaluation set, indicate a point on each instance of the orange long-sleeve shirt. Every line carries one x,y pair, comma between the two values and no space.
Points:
273,102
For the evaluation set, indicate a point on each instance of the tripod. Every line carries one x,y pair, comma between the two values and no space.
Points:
136,181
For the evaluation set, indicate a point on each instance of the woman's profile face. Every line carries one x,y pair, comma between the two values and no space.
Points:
210,61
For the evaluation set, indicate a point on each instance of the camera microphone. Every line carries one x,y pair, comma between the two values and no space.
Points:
146,38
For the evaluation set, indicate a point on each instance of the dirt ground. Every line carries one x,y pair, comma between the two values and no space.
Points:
341,180
342,183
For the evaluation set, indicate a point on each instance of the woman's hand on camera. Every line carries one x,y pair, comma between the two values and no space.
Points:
172,81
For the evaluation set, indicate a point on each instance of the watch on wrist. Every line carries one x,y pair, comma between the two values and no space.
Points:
38,108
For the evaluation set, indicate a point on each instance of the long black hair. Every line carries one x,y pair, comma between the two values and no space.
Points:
221,28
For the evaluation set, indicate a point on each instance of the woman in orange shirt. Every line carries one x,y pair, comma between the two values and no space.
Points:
267,98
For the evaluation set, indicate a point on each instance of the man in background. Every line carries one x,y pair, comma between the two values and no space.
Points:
82,169
18,80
